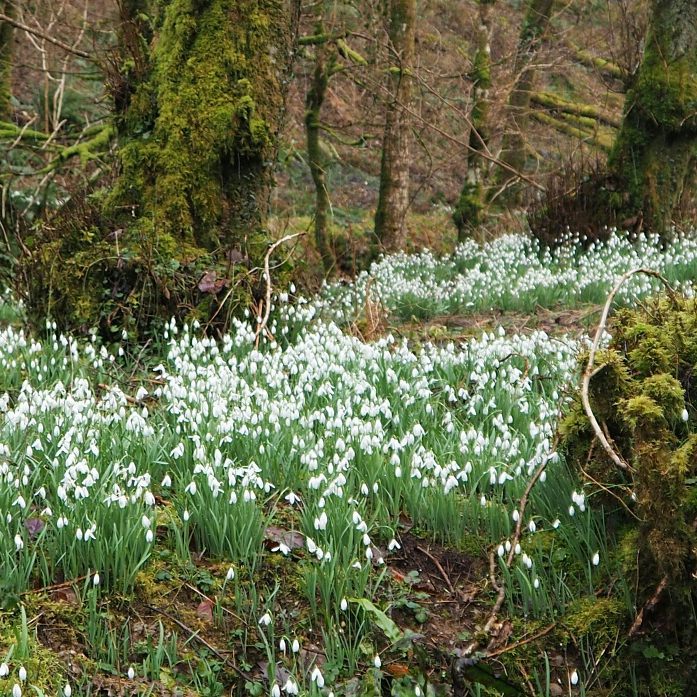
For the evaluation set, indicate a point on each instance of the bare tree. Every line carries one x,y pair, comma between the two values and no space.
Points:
393,196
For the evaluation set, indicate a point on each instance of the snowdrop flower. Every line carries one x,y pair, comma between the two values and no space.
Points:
19,543
296,646
131,673
531,526
343,605
556,523
282,645
376,661
265,620
95,579
596,559
501,551
67,690
22,673
282,548
275,691
317,677
230,574
292,498
16,691
166,481
149,536
291,687
685,415
574,678
536,583
4,670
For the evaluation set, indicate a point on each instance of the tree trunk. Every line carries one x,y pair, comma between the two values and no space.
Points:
655,156
393,197
324,64
6,49
468,211
513,150
184,224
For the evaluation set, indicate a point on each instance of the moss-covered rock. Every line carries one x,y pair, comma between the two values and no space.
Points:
644,395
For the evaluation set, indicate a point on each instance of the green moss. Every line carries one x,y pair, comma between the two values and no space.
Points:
654,154
594,617
639,398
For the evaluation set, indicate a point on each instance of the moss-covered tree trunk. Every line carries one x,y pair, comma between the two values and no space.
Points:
6,43
513,149
468,211
655,154
325,60
393,196
198,120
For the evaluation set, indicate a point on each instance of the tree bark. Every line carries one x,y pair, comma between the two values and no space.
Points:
654,158
324,64
393,196
468,210
513,150
6,50
184,226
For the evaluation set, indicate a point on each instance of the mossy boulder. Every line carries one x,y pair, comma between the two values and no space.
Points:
644,396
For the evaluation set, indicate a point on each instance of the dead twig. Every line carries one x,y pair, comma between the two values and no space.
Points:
650,604
263,319
500,586
196,635
445,576
591,369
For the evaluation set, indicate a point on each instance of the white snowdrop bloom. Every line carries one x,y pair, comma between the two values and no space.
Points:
16,690
501,551
291,687
393,544
230,574
19,543
4,670
282,645
321,522
145,522
685,415
532,526
186,516
482,501
572,510
515,516
292,498
311,546
596,559
317,677
527,561
265,620
536,583
166,481
574,678
131,673
376,661
67,690
275,691
556,523
149,536
295,646
95,579
518,548
22,673
343,605
282,548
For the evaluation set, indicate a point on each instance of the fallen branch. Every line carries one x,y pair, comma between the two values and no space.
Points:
591,370
263,318
500,586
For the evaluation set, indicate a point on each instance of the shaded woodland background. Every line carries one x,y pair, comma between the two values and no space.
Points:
502,116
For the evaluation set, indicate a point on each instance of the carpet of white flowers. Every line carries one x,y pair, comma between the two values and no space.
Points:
513,273
329,439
